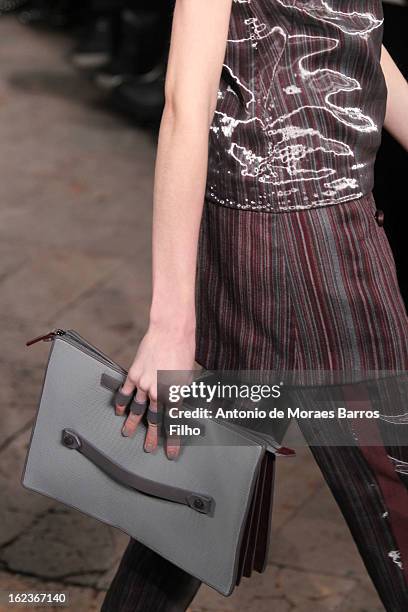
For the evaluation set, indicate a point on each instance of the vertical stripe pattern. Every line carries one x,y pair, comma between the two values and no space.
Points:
300,106
300,290
316,290
307,289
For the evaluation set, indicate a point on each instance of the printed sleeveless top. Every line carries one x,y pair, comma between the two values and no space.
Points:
300,105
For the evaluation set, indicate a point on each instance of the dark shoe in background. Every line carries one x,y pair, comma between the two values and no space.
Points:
11,6
142,97
138,51
59,14
123,44
95,47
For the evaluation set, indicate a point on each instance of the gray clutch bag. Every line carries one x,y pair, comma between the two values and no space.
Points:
208,512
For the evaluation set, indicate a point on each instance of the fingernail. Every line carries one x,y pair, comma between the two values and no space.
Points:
148,448
125,433
171,455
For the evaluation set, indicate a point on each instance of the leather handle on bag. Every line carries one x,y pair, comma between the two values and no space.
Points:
197,501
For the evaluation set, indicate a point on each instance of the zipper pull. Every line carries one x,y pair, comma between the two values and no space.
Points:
46,337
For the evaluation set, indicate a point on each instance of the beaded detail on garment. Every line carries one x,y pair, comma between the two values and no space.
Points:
300,107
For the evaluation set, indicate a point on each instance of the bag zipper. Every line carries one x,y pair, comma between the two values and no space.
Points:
46,337
75,339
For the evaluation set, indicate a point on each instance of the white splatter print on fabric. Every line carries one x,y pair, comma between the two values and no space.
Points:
301,104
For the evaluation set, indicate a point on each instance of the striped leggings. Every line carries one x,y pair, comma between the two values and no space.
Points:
303,290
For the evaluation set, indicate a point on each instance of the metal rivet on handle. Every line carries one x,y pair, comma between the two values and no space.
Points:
69,440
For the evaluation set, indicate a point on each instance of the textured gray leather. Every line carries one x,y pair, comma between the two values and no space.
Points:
227,469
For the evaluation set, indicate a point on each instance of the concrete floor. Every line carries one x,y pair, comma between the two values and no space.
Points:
75,214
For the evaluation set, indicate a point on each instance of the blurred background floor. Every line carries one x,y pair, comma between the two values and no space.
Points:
75,218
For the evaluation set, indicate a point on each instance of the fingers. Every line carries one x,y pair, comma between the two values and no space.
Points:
131,395
173,442
152,434
141,396
123,396
131,423
137,409
173,447
121,401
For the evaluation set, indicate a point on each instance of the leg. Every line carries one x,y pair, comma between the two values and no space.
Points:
145,582
350,316
356,480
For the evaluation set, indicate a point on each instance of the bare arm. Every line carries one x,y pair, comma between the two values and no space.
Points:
197,50
195,61
396,118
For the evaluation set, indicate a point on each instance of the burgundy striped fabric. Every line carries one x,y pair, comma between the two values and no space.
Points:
316,290
306,289
300,106
299,290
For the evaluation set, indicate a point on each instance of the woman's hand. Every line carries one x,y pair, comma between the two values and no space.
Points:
197,50
162,348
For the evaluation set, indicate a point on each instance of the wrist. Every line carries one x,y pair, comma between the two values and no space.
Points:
175,319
